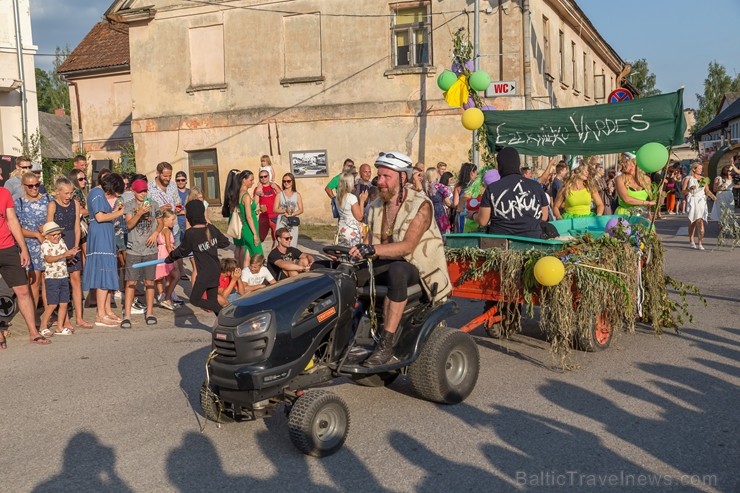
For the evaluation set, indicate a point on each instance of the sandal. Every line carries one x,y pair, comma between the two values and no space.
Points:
45,332
151,320
40,340
113,317
84,324
105,322
65,332
126,324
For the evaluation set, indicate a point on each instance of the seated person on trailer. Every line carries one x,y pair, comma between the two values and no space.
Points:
514,205
285,260
404,236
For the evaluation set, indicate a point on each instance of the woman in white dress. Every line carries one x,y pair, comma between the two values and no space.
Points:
696,191
723,191
351,209
289,205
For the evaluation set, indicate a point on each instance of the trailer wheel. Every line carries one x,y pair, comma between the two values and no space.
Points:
598,336
376,380
213,407
318,423
447,368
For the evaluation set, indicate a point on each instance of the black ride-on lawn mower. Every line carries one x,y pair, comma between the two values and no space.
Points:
272,346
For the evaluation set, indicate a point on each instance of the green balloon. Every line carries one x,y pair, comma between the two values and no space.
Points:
651,157
446,79
480,80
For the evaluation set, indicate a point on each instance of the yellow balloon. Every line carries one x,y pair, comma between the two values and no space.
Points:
472,118
549,271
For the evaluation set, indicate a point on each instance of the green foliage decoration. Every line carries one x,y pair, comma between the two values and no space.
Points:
600,280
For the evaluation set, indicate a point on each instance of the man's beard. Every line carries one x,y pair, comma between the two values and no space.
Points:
387,193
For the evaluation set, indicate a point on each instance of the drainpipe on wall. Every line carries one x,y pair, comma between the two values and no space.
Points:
80,149
527,33
476,62
21,70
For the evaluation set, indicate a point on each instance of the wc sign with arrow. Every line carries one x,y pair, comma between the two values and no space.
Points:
501,88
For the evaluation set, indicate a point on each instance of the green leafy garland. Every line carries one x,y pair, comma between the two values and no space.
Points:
601,278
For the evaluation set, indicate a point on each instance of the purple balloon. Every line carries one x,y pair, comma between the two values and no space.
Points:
613,224
458,69
488,108
469,104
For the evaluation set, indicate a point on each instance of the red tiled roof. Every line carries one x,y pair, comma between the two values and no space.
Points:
106,45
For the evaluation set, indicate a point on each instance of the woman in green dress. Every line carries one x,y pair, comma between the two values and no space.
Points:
633,189
249,244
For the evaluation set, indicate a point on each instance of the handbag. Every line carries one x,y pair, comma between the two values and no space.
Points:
292,221
83,228
235,226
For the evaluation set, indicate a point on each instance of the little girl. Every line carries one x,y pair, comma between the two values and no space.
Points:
168,273
257,275
230,286
66,213
202,240
266,165
55,255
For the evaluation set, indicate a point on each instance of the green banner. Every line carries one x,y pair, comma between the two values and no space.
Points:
588,130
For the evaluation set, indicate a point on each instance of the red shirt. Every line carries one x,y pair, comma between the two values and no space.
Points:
268,200
6,202
223,281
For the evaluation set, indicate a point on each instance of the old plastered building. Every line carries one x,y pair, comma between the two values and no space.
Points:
99,80
18,107
216,84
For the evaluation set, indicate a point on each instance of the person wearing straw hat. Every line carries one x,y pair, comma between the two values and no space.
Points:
56,278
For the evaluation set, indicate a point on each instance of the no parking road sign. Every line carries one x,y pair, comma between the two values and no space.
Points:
620,94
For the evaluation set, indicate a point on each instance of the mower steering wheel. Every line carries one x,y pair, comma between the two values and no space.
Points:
342,254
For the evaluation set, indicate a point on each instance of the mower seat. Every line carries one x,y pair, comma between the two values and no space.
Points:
414,292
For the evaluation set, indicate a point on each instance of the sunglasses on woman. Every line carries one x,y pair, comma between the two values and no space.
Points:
32,185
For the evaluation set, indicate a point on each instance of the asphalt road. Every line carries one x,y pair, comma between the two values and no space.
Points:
113,410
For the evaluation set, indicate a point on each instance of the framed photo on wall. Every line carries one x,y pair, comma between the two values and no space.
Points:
307,164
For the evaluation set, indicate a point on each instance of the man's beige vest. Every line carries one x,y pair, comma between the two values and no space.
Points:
429,255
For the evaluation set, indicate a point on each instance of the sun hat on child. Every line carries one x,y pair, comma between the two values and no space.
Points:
50,227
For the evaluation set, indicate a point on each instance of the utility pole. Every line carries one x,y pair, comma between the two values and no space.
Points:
476,62
21,70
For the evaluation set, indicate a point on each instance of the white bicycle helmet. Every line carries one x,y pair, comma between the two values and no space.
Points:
396,161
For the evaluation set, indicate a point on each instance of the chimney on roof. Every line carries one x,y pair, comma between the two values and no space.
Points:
59,112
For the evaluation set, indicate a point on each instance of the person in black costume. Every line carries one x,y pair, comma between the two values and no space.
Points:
203,240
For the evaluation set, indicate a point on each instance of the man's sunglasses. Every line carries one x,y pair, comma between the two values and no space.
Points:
264,176
181,180
32,185
286,238
25,167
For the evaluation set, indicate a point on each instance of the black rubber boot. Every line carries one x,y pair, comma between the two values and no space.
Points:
383,351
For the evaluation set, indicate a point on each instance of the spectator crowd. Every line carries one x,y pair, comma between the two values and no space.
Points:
82,237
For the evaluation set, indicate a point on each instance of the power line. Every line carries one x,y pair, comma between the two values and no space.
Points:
293,12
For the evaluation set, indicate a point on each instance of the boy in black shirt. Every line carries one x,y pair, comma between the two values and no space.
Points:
203,240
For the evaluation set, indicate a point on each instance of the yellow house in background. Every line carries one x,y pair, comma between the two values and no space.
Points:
99,80
215,85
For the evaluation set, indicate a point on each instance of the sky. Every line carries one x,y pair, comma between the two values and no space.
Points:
678,38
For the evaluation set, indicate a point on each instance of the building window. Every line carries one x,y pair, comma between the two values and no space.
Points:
303,56
561,53
204,174
546,45
207,57
412,36
586,89
573,66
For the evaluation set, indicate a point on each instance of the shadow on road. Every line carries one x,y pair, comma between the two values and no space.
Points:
195,466
88,465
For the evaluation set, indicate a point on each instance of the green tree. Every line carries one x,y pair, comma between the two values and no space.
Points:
717,83
51,91
642,78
